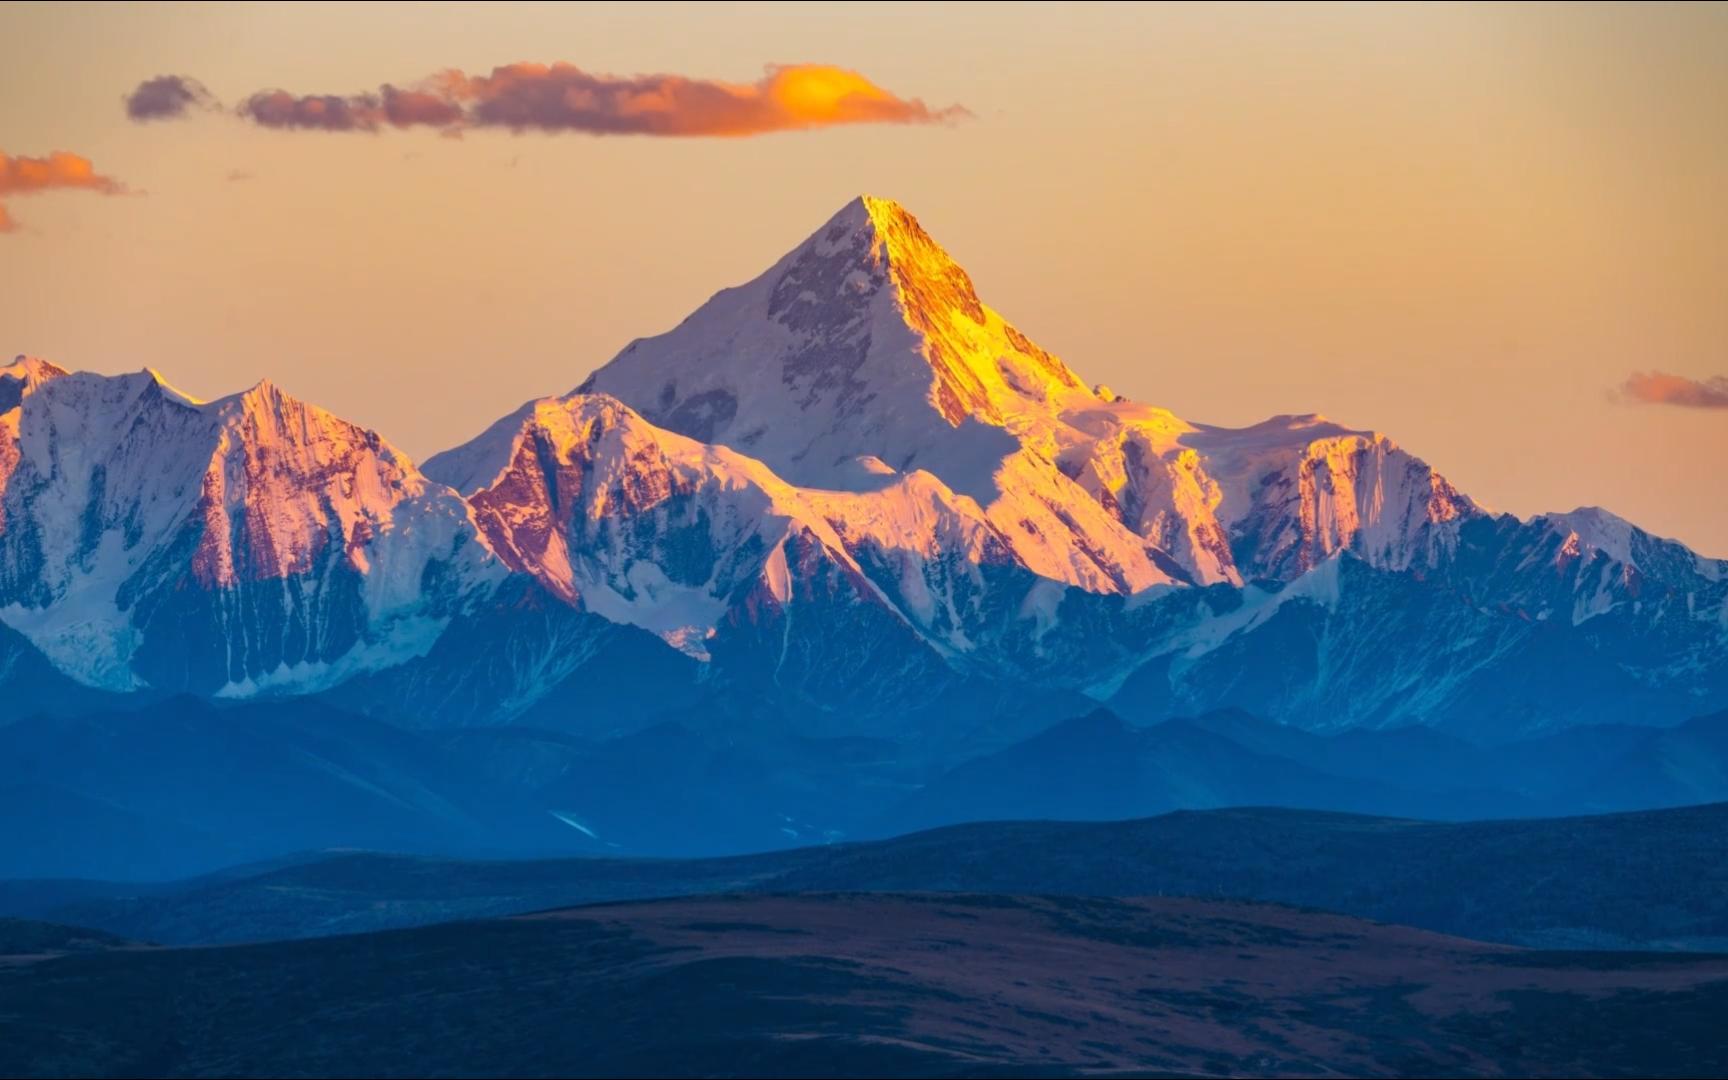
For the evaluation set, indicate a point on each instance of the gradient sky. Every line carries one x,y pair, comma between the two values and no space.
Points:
1465,226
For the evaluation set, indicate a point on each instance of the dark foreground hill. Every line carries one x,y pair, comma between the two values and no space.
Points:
28,940
871,985
1653,880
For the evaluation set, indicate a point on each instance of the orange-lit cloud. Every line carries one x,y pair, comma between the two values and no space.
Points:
1660,388
563,97
428,106
167,97
59,170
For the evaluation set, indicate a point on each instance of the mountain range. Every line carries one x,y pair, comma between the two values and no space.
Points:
845,499
975,718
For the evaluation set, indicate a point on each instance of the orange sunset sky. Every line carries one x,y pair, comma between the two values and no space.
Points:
1496,233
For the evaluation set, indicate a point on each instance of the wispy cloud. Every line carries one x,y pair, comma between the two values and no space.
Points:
1661,388
562,97
167,97
22,175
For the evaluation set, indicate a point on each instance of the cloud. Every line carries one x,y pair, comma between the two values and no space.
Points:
407,107
392,106
59,170
23,175
563,97
167,97
315,112
1661,388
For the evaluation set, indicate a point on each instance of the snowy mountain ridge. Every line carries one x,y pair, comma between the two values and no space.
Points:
847,467
867,343
300,541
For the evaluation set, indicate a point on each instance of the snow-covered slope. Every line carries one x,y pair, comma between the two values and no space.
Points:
651,528
151,539
866,341
637,524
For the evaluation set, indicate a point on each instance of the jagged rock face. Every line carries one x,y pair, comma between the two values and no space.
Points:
1290,508
640,525
1161,491
153,540
17,380
1270,501
688,540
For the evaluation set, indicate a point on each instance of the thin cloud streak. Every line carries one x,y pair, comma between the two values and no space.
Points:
1661,388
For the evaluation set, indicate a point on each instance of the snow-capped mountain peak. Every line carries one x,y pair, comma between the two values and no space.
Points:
1595,529
865,341
22,377
1592,533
